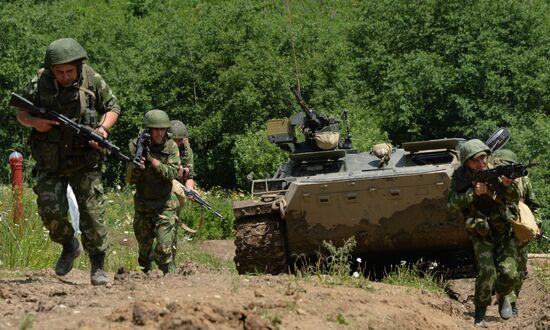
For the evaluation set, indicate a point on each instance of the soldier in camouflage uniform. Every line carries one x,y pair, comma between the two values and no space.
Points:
186,173
527,195
69,86
487,208
154,203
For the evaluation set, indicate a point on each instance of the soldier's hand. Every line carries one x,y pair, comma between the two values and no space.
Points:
43,125
480,188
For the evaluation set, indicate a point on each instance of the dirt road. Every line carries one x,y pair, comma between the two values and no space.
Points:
200,298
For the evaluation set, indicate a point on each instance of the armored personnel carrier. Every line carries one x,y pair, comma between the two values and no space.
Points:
392,200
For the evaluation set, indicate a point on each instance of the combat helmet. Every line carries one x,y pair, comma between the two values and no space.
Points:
504,156
472,149
178,129
63,51
156,119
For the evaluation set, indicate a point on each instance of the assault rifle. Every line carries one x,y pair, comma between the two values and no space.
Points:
79,130
142,148
511,171
190,193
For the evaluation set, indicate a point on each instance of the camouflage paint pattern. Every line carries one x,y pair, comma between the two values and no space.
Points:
154,227
496,263
386,213
487,222
187,158
51,190
400,207
155,204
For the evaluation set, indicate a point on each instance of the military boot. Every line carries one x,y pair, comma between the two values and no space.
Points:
504,307
514,310
97,274
145,265
479,317
165,268
70,252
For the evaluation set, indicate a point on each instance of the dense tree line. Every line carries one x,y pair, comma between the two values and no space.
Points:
406,70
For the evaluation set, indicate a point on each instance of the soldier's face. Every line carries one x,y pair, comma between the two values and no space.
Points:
157,134
477,164
179,141
65,74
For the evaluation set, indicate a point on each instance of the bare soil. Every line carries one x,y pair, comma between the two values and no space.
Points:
196,297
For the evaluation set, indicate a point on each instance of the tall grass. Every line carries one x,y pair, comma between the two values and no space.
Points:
29,247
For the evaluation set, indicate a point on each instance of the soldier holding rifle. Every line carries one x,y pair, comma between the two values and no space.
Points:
70,87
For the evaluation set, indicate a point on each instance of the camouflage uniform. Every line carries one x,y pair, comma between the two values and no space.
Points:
179,131
493,240
155,205
62,159
527,195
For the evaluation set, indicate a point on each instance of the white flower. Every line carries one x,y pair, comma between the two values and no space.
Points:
359,260
118,187
403,262
355,274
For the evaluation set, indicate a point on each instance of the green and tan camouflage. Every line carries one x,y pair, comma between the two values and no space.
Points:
154,204
62,159
487,220
51,191
394,209
527,195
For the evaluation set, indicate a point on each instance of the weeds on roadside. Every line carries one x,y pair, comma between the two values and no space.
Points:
335,267
411,276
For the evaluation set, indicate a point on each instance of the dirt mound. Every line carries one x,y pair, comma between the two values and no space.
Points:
196,297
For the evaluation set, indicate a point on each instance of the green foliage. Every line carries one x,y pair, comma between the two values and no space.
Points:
405,70
254,154
29,246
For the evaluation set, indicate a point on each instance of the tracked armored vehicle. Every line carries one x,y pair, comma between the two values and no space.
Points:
392,200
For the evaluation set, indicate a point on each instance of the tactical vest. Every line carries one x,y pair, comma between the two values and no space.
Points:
59,151
153,191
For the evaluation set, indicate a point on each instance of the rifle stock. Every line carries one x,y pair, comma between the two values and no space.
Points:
79,130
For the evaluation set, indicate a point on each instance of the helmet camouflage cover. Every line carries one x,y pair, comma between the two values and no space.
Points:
63,51
156,119
473,148
178,129
504,156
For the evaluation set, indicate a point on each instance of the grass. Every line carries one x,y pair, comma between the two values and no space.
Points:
334,266
411,276
29,247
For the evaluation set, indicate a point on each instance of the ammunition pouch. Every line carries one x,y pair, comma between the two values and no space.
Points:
45,150
59,151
